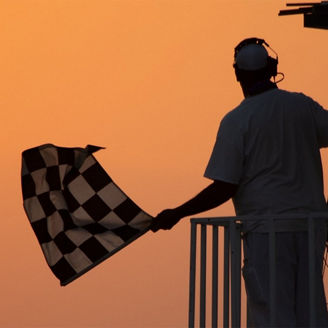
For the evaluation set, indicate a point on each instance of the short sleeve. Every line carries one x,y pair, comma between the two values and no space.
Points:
226,161
321,121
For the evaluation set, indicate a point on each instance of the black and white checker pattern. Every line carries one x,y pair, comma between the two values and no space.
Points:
79,215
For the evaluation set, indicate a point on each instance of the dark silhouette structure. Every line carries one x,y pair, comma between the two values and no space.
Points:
315,14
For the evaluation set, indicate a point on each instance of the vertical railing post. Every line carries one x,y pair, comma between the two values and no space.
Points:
203,243
272,272
226,277
238,271
235,273
311,254
215,273
192,279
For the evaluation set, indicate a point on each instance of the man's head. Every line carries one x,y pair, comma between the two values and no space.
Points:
252,62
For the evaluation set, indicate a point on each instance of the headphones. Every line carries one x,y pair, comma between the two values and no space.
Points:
272,63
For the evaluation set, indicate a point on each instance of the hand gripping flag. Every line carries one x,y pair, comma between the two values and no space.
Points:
79,215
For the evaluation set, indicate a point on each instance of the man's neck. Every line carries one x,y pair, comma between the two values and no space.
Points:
258,88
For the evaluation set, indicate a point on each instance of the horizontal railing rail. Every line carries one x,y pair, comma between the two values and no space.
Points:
232,230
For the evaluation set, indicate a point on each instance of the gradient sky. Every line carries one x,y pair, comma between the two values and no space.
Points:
149,80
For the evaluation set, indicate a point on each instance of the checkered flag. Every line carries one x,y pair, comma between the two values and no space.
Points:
79,215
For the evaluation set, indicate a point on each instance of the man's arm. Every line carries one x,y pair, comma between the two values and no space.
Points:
212,196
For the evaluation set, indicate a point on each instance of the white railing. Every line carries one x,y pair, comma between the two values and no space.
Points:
230,229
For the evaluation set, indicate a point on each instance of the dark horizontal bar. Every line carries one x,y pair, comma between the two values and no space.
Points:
297,4
286,12
227,219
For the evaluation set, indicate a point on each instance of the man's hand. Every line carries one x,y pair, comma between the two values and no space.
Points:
213,195
165,220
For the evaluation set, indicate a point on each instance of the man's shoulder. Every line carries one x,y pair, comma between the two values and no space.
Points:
292,94
239,114
298,99
235,117
272,97
232,115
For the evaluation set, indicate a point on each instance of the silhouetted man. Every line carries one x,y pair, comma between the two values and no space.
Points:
266,158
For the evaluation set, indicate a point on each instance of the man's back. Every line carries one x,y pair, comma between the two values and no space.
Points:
273,140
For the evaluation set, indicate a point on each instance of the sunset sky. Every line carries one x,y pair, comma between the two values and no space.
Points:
149,80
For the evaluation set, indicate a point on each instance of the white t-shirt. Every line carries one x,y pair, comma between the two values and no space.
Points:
269,146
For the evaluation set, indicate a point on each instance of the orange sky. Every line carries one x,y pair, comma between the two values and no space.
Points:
150,80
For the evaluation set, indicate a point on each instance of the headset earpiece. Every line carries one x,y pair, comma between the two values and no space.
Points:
272,66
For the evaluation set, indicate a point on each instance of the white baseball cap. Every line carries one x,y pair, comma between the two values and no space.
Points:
252,57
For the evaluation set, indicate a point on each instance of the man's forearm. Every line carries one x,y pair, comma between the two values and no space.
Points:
212,196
